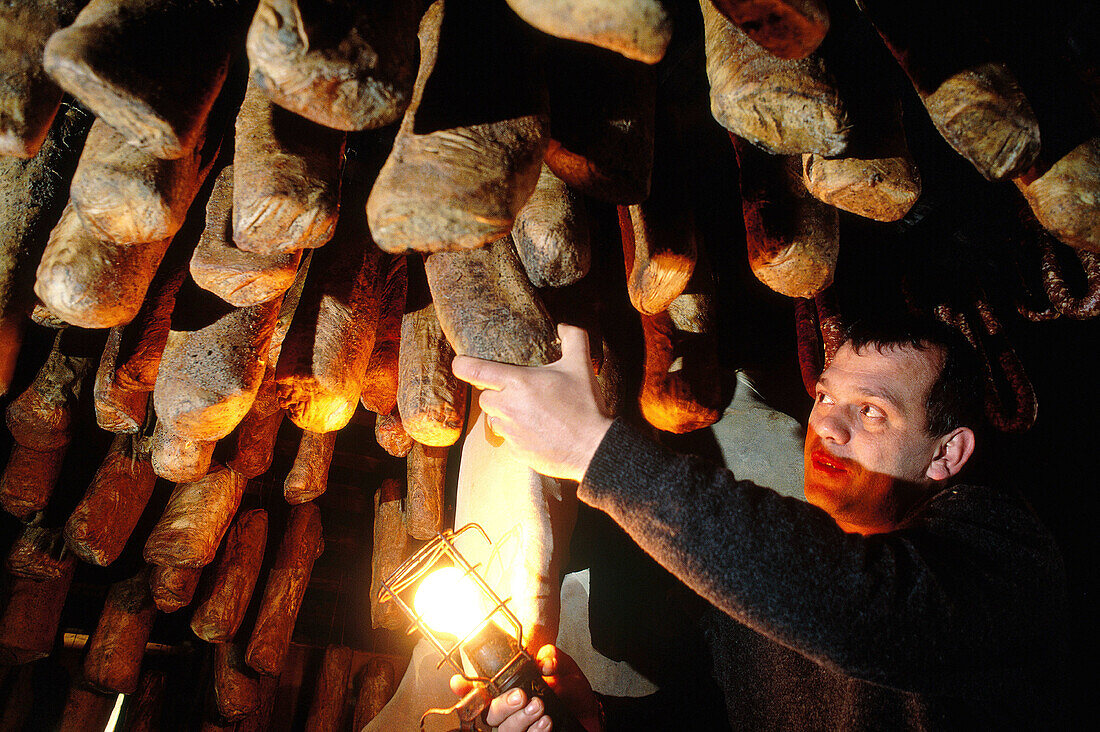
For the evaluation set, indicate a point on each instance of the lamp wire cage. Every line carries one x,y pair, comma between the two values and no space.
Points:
438,552
494,645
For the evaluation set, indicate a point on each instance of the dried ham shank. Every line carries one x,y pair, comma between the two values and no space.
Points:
240,278
223,602
476,128
308,477
195,519
101,523
286,177
342,64
151,69
389,549
286,585
29,99
116,648
551,233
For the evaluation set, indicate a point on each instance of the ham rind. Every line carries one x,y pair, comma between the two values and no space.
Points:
236,687
476,128
115,650
91,282
238,277
430,399
221,608
286,585
638,29
376,685
308,477
148,68
425,485
29,98
345,65
101,523
195,519
551,233
29,622
125,195
785,28
488,308
323,363
213,364
793,239
173,587
331,690
389,549
379,393
286,178
32,195
971,96
179,459
784,106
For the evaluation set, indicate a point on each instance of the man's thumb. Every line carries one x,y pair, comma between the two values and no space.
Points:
574,344
554,661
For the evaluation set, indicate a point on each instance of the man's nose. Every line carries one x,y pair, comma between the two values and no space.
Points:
830,427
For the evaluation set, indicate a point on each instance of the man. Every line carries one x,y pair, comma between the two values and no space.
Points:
892,599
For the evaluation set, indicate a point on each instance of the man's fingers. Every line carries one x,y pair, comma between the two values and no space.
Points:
528,718
492,403
483,374
504,706
493,376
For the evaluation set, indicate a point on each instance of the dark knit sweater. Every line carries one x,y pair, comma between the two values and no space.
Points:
952,621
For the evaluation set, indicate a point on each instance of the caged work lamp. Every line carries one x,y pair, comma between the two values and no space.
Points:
456,610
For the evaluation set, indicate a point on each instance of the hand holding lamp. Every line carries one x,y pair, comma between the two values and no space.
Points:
445,598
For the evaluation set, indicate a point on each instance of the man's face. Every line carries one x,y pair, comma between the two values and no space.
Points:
867,450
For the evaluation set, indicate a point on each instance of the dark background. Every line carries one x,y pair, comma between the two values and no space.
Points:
964,234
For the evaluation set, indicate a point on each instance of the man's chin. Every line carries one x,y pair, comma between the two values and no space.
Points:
830,482
822,494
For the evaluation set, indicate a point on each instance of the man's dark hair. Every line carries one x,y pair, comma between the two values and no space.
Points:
956,396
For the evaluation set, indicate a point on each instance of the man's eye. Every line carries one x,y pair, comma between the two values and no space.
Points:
871,412
824,398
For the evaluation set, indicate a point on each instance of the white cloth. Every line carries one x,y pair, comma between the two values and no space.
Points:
760,443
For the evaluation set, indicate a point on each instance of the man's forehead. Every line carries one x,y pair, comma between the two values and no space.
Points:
897,373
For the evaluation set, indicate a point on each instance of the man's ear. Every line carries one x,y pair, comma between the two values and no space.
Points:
955,448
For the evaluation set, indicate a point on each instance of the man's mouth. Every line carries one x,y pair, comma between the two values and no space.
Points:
827,463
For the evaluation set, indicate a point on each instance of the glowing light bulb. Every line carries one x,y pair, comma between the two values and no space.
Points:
448,601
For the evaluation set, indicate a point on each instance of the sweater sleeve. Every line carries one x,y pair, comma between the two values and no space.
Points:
921,608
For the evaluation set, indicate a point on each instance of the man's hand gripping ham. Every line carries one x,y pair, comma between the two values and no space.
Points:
551,417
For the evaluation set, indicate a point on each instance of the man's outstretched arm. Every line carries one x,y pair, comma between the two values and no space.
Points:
779,565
